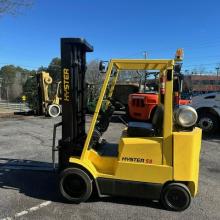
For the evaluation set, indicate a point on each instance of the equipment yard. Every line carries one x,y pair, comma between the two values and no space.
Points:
106,112
29,187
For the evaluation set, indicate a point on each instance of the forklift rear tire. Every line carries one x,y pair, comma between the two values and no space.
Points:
176,197
75,185
54,110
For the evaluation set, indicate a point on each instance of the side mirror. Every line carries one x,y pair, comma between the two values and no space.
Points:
102,66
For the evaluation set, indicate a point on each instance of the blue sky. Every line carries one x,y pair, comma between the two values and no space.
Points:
116,29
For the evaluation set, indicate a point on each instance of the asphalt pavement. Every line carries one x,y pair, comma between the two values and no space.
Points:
29,187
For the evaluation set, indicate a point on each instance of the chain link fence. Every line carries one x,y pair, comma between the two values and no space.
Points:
7,107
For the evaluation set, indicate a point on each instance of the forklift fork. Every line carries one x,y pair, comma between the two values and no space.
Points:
54,147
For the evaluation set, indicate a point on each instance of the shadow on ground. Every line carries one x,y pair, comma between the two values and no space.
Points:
38,180
32,178
127,201
212,137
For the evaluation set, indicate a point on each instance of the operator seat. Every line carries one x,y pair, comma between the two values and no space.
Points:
143,129
102,126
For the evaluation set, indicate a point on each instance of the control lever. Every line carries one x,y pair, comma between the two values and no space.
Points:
123,121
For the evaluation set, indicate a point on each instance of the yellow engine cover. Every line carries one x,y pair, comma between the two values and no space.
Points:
186,153
140,159
141,150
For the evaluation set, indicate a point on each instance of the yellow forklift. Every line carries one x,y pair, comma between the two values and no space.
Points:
46,105
158,160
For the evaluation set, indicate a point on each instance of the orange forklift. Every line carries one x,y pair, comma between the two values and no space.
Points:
142,106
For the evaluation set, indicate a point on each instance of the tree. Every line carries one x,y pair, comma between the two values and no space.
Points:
42,68
54,69
93,75
13,7
94,78
131,76
30,89
13,79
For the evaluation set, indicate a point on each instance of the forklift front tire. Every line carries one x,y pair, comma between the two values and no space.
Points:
176,197
75,185
54,110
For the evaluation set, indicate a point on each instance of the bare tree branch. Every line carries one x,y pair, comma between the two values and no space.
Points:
13,7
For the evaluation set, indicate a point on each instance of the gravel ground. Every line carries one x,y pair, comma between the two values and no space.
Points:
25,143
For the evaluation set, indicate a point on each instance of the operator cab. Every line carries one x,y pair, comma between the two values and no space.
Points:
135,129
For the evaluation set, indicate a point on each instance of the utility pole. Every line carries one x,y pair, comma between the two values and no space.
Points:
1,88
145,55
145,75
217,69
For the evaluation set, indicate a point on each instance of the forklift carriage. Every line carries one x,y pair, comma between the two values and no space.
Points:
158,161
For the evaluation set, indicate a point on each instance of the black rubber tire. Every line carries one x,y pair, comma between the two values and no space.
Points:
75,185
54,110
211,122
176,197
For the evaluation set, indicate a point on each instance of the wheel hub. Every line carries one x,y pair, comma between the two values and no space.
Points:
206,124
54,110
74,186
176,198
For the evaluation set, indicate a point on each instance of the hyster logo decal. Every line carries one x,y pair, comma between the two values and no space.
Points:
136,160
66,84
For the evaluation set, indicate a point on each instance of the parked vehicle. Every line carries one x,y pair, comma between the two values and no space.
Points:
208,110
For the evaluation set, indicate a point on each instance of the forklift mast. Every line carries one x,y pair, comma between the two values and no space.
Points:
74,100
43,81
39,109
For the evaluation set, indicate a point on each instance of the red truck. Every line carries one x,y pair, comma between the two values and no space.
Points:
141,106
